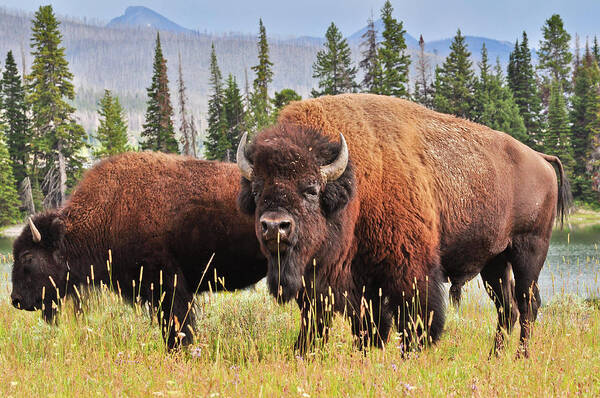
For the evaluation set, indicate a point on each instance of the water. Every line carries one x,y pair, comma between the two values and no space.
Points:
572,265
5,251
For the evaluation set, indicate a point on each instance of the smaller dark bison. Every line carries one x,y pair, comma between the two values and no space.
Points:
161,217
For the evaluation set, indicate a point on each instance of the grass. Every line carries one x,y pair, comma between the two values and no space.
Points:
244,349
583,216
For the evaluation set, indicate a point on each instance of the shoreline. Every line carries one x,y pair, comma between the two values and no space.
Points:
11,231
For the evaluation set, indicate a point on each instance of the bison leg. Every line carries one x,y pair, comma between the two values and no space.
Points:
173,304
527,258
420,314
496,276
315,320
373,322
455,293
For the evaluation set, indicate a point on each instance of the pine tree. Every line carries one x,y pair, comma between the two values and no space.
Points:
554,55
233,110
371,82
455,81
423,93
557,141
259,115
9,199
188,136
523,84
57,139
264,72
14,117
215,144
585,122
392,55
495,106
159,133
596,50
333,66
482,87
112,131
284,97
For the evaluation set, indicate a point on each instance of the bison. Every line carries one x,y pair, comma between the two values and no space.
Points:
145,224
374,225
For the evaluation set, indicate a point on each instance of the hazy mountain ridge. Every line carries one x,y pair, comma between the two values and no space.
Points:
120,59
139,16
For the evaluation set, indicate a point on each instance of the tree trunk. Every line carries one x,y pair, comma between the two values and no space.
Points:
62,175
26,196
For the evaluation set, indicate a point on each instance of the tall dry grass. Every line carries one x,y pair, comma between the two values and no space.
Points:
244,348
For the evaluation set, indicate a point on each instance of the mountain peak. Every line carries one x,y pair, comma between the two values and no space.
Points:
140,16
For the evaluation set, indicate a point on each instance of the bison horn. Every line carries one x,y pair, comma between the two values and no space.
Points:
242,161
37,237
333,171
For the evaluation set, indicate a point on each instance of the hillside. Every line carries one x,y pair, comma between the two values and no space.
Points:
119,57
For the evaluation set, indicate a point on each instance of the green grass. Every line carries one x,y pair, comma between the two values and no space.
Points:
244,349
583,217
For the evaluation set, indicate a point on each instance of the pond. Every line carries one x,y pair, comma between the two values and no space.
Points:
572,265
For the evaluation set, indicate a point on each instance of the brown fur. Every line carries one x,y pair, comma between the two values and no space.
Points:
162,212
436,196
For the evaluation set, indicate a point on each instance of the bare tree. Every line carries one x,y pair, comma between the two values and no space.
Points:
423,85
193,137
26,196
186,141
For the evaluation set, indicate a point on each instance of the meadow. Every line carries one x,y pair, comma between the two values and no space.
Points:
244,349
244,346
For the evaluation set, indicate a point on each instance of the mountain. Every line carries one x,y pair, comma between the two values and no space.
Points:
496,48
138,16
356,37
441,48
120,59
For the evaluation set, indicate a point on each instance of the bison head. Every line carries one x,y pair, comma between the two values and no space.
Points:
296,183
39,273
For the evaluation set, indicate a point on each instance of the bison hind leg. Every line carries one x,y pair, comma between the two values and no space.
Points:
527,256
455,293
497,280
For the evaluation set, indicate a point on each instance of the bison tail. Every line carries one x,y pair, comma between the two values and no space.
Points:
565,198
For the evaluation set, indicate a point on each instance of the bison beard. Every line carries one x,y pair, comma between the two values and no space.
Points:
426,197
162,217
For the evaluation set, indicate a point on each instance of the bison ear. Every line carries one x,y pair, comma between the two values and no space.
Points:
246,199
57,232
338,193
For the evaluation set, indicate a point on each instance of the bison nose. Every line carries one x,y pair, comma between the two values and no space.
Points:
273,224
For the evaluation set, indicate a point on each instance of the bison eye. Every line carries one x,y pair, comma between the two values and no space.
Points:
311,191
27,269
256,188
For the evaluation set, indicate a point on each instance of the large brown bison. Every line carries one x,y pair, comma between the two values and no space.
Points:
374,227
161,217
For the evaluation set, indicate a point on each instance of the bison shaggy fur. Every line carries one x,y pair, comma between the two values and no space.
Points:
161,217
425,198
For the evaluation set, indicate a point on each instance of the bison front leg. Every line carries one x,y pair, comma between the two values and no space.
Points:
420,313
315,320
371,331
175,311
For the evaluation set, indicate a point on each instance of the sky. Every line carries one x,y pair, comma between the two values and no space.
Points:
435,19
